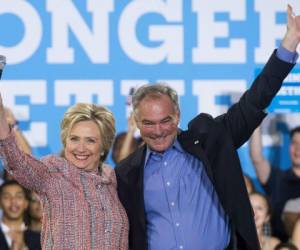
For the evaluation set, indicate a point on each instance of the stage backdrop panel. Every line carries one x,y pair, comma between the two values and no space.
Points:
60,52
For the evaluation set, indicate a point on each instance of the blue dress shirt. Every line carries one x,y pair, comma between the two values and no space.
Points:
286,55
182,208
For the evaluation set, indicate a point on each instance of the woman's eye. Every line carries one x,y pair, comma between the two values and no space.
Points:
91,141
73,139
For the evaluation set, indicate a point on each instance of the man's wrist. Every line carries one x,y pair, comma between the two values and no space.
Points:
286,55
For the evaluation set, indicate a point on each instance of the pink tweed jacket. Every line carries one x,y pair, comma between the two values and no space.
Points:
81,210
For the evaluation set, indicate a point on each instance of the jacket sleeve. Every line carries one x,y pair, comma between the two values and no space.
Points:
243,117
28,171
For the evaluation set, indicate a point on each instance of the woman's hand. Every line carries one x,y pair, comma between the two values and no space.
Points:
4,128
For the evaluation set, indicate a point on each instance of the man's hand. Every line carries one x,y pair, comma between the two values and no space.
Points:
131,124
292,36
18,242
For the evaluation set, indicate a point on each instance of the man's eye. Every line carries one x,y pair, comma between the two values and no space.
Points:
20,196
147,123
166,121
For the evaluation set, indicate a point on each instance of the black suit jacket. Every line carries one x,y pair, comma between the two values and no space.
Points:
32,240
214,141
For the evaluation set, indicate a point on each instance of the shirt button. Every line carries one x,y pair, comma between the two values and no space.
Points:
172,204
165,163
168,183
177,224
180,247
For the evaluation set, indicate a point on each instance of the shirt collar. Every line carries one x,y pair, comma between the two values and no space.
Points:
176,145
102,178
291,176
5,228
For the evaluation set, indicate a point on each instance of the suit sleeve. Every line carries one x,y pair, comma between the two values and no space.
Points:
28,171
244,116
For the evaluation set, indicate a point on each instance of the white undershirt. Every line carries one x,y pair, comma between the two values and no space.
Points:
6,229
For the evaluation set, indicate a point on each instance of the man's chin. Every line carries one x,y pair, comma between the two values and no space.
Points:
14,217
296,164
158,148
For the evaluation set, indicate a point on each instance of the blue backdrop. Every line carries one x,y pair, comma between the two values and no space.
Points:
60,52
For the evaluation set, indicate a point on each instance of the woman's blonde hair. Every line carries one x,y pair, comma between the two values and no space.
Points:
102,116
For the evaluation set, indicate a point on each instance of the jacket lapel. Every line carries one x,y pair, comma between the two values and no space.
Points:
3,243
135,178
193,145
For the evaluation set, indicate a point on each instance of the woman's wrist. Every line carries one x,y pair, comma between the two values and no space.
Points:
13,126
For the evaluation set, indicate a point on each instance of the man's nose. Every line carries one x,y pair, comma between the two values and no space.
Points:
14,199
157,129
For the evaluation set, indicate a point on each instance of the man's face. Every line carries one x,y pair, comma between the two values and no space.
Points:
295,150
13,202
157,119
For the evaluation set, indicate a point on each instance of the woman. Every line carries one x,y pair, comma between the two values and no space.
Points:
35,214
81,209
249,184
125,143
296,234
262,213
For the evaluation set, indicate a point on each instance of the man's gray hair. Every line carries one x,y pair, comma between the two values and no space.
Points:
155,90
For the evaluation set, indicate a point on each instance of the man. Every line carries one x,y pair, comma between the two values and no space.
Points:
185,189
280,185
13,232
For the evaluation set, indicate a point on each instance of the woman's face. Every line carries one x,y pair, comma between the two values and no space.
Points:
83,146
295,149
260,207
35,207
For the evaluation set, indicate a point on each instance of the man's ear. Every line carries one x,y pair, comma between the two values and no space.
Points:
178,115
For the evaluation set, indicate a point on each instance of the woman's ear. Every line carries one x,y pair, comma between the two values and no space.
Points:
267,219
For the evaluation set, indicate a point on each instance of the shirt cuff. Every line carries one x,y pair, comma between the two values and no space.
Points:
286,55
